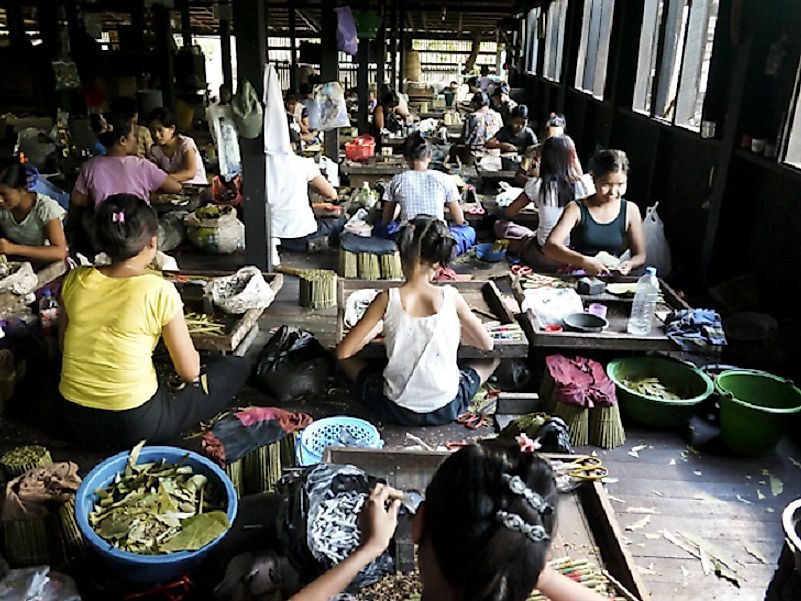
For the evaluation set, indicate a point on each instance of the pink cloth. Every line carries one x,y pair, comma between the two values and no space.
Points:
175,162
289,421
101,177
581,382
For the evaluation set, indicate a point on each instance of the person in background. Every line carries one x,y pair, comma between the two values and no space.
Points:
472,86
423,324
502,102
118,171
298,117
176,153
98,125
516,136
30,223
111,320
386,116
127,107
482,124
485,80
224,95
603,222
559,183
555,125
310,103
482,533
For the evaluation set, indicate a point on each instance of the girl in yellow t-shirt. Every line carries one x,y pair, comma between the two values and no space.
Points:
111,320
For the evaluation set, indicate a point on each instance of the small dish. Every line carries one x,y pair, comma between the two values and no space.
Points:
585,322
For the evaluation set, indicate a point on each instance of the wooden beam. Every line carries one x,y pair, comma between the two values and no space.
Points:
225,13
381,47
311,23
251,42
186,24
293,51
393,44
162,26
329,71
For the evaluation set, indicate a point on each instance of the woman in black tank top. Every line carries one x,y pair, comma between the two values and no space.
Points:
604,223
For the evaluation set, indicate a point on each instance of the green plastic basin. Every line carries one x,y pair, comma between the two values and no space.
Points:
691,384
754,407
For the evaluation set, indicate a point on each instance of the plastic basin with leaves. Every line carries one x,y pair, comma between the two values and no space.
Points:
754,409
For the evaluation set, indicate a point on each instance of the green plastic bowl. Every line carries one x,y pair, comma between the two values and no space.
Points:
754,409
691,384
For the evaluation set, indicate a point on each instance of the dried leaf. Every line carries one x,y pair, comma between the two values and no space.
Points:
795,462
760,496
672,462
133,458
639,525
684,575
652,536
744,500
755,554
198,531
635,451
649,571
614,498
651,510
769,509
698,473
776,485
657,493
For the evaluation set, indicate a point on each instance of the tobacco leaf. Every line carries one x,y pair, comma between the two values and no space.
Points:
197,532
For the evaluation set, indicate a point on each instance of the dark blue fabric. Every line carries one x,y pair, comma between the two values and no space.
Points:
373,245
369,392
326,226
696,330
387,231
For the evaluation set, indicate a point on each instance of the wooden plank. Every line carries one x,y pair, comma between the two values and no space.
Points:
482,296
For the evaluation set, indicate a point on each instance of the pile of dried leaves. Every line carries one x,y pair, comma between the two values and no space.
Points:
154,508
651,386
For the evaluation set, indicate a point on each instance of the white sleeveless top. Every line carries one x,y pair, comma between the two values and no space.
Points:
422,374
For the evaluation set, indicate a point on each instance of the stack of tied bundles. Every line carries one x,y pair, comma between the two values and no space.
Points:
369,258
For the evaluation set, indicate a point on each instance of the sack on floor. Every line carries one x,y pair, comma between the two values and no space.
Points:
292,364
321,528
244,290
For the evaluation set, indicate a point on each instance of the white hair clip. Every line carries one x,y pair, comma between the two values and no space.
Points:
518,487
512,521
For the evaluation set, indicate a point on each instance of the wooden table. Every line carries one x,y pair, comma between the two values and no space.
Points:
238,328
190,198
615,337
587,528
482,296
10,302
371,171
529,217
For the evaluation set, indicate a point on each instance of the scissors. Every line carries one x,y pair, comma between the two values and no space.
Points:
521,270
584,467
472,421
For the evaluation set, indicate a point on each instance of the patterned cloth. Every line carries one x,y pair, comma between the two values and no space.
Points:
696,330
422,193
480,128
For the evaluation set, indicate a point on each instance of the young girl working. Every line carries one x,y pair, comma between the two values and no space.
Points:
482,532
423,325
558,183
516,135
176,153
30,223
604,222
111,320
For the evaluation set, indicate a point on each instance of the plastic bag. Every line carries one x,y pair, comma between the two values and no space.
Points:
246,289
247,110
310,499
292,364
551,305
18,278
347,39
333,108
171,231
38,584
656,245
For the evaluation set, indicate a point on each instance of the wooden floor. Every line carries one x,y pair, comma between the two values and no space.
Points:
700,490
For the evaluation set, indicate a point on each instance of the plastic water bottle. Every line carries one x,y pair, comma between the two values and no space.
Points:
644,306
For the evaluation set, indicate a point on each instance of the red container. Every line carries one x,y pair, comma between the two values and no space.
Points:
361,149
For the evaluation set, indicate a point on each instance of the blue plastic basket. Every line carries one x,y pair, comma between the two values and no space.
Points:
339,431
147,569
485,253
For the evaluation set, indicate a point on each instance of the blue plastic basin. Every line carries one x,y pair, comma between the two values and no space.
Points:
148,569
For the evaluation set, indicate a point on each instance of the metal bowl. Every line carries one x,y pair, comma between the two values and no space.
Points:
585,322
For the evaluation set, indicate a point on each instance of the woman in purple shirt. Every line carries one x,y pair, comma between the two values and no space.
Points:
118,172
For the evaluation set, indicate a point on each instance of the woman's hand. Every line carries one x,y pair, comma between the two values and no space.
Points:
377,522
7,247
505,147
625,267
594,266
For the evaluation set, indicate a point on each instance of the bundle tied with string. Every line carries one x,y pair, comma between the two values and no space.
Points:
580,388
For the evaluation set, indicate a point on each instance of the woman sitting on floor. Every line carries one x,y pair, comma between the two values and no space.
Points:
555,125
30,223
483,531
423,324
111,321
424,191
603,224
558,184
482,124
176,153
516,135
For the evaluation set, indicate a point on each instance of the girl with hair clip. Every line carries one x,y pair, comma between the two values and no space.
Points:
30,222
482,532
118,172
423,324
558,184
602,223
111,320
176,153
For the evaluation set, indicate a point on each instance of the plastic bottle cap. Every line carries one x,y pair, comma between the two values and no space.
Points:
650,270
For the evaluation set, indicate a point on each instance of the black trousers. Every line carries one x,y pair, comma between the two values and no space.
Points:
167,414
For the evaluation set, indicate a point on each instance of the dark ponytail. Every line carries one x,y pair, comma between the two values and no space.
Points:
558,168
427,240
124,224
473,503
416,147
111,127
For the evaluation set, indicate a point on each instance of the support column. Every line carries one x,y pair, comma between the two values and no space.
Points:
381,47
393,44
329,69
401,46
164,53
251,49
363,85
224,9
186,24
293,49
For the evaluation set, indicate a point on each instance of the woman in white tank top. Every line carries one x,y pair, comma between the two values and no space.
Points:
423,325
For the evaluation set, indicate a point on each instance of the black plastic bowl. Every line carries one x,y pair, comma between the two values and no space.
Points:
585,322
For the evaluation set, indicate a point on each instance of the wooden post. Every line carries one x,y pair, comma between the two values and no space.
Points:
402,46
381,47
186,24
164,53
293,50
251,49
329,69
225,44
393,44
363,84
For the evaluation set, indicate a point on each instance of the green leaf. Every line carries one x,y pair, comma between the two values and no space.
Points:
197,532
